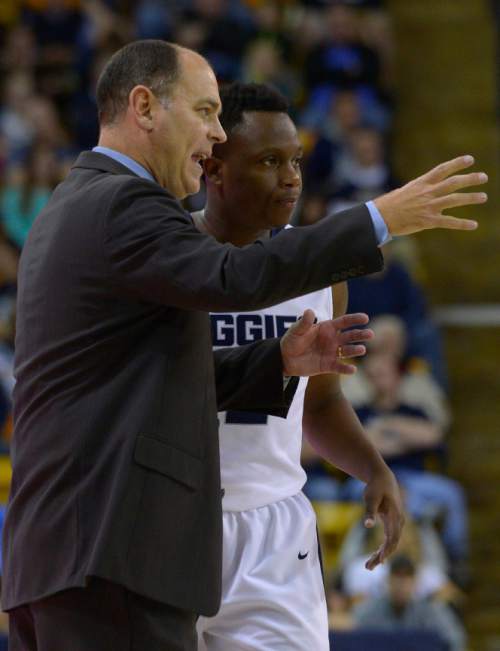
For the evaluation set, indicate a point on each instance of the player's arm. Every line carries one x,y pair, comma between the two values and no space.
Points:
334,431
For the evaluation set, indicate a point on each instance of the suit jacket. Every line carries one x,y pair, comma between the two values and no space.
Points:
115,447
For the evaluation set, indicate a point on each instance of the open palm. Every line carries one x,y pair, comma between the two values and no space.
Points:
310,348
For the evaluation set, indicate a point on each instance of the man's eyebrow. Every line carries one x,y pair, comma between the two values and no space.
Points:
273,149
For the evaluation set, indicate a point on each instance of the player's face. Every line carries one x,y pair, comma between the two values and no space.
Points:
261,178
186,127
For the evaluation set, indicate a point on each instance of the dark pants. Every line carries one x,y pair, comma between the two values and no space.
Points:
101,617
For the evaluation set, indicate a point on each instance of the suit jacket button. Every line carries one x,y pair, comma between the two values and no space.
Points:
222,492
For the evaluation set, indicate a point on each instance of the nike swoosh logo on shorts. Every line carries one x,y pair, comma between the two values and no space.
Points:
302,556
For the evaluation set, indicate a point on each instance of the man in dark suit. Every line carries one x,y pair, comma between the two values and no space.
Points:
113,531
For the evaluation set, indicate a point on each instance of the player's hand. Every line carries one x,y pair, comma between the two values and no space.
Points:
419,204
310,348
383,501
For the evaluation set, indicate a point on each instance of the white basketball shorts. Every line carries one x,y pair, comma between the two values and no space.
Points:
273,597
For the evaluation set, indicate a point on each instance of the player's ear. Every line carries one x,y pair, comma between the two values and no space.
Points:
213,170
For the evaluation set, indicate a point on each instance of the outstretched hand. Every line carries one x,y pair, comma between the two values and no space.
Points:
418,205
310,348
383,501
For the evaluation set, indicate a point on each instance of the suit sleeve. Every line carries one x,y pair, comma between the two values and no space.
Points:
156,253
250,378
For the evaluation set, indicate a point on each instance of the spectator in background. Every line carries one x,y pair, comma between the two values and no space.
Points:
153,19
16,125
7,336
223,32
400,609
393,291
348,141
9,258
20,52
420,541
305,31
49,130
56,25
82,112
27,116
27,190
417,387
333,128
339,605
376,30
272,25
363,173
342,60
404,434
263,63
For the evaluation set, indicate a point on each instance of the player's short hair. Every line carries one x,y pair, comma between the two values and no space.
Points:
237,98
152,63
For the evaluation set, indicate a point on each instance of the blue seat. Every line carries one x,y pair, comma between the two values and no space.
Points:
376,640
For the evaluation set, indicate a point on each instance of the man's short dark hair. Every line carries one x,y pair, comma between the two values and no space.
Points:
151,63
238,97
401,564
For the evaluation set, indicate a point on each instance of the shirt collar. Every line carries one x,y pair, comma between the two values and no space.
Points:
127,161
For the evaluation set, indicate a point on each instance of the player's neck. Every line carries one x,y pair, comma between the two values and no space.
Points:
216,223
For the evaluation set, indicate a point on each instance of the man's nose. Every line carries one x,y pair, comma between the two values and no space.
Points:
217,133
291,176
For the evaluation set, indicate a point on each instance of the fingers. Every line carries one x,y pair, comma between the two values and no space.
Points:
350,336
444,170
460,199
372,506
351,350
375,559
386,505
305,323
392,532
350,320
342,368
393,522
460,182
453,223
347,349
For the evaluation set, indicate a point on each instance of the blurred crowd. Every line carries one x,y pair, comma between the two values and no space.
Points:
334,61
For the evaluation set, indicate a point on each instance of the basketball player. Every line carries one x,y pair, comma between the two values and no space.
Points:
272,589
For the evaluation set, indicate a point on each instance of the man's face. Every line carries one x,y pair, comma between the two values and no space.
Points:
382,371
186,127
401,589
260,171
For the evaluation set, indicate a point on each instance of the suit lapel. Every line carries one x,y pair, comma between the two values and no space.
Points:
96,161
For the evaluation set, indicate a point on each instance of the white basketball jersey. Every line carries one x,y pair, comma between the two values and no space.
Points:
260,455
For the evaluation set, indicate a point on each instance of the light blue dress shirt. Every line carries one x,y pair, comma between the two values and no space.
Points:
127,161
381,230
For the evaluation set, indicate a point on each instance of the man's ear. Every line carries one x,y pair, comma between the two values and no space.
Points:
141,102
213,170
